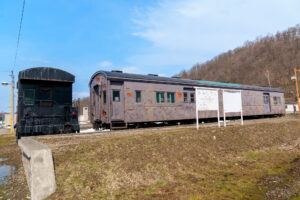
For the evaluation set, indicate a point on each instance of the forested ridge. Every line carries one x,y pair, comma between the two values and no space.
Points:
267,61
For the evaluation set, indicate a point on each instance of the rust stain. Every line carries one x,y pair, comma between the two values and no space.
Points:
103,113
46,104
98,79
178,95
129,94
104,85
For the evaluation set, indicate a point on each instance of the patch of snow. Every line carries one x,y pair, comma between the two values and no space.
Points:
91,130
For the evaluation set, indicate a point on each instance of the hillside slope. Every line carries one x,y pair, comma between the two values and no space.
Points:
268,61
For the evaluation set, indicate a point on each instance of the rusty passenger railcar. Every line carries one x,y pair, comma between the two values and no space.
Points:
45,102
118,99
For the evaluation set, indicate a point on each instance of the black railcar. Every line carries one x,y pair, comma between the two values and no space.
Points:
45,102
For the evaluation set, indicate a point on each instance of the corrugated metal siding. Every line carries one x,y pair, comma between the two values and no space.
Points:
46,74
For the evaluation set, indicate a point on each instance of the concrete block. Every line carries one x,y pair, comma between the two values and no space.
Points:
39,169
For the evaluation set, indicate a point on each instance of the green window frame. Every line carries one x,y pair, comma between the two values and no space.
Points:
185,97
160,97
138,96
116,96
192,97
171,97
29,96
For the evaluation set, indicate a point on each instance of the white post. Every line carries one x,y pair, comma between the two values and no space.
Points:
219,124
242,119
197,119
224,116
224,119
197,114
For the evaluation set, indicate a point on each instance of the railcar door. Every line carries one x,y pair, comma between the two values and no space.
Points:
267,104
117,101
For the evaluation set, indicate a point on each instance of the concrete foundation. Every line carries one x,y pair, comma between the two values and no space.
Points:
38,165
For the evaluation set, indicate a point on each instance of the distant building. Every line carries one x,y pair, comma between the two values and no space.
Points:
291,107
83,109
1,119
7,120
85,115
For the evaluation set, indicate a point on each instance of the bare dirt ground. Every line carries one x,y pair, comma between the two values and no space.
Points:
16,187
260,160
4,131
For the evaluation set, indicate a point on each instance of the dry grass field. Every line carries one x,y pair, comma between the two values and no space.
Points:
260,160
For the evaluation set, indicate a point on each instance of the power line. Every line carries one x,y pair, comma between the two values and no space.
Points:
18,41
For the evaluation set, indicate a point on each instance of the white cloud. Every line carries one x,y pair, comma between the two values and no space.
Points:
106,64
189,31
131,69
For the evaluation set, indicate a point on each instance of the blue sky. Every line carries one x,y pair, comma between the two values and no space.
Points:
141,36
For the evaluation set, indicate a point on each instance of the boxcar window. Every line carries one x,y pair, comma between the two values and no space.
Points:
160,97
138,98
45,94
192,98
171,97
104,97
266,99
277,100
29,96
116,95
185,97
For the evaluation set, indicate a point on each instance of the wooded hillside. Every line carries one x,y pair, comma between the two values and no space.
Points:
268,61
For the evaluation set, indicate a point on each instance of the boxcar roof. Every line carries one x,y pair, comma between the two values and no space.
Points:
46,74
199,83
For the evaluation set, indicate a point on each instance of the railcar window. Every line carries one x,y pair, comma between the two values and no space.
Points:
29,96
185,97
170,97
45,94
116,95
104,97
138,98
192,98
266,99
277,100
160,97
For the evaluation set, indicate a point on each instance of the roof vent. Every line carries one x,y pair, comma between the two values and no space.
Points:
176,77
119,71
152,74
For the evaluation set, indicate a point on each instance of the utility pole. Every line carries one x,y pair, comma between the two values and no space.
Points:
12,103
297,88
